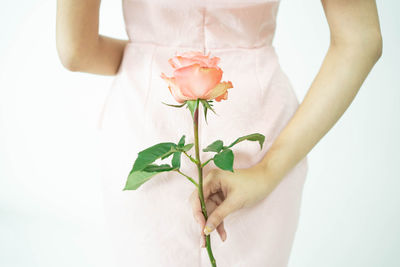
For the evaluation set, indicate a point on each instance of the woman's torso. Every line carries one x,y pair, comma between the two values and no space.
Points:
241,33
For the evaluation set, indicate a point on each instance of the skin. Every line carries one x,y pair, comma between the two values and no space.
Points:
80,47
355,47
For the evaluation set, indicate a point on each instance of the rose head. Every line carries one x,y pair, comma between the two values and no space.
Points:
196,76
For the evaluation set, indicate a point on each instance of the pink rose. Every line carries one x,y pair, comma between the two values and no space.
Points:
196,76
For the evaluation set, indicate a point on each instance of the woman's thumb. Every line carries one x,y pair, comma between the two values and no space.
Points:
218,215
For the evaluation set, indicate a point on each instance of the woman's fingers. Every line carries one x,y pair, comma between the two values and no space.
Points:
221,231
218,215
196,208
232,191
214,196
203,239
211,204
208,187
198,215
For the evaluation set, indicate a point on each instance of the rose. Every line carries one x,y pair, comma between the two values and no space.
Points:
196,76
197,79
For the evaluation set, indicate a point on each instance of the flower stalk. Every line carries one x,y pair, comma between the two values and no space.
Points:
189,178
196,80
200,184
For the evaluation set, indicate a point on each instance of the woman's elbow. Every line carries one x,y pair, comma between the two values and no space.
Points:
378,46
373,45
69,56
370,44
68,59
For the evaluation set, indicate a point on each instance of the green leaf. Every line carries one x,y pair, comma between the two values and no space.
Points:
182,149
176,160
175,149
181,141
216,146
187,147
251,137
137,178
224,160
175,106
158,168
192,105
207,105
205,109
168,154
149,155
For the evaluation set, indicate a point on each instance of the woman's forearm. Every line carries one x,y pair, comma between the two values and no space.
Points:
341,75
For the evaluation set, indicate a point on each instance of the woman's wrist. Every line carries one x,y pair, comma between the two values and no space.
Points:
277,162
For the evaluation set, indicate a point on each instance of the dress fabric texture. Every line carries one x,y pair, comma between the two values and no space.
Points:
153,226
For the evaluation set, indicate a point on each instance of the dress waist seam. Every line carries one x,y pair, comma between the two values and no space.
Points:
200,46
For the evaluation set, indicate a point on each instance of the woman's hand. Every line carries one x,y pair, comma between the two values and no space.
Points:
225,192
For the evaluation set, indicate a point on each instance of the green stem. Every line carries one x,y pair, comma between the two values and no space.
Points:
200,187
190,179
205,163
190,157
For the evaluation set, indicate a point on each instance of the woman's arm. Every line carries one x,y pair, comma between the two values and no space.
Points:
79,45
355,46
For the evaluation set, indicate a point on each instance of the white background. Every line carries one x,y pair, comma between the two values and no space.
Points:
50,191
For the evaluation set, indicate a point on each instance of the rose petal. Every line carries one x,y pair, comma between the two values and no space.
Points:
219,91
196,81
193,57
174,89
223,96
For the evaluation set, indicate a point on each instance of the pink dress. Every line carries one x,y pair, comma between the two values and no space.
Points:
153,226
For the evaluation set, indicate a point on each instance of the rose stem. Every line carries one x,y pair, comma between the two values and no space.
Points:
200,187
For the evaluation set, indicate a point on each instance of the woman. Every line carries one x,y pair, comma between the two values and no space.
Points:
259,203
